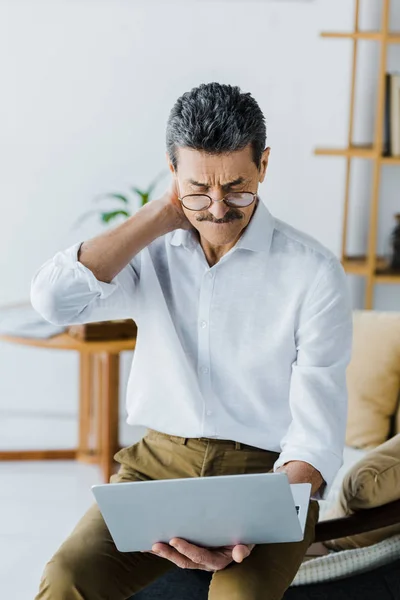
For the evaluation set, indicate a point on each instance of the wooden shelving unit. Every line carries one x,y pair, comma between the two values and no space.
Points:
374,268
377,36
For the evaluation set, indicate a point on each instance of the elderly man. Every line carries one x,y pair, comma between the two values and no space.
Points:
244,338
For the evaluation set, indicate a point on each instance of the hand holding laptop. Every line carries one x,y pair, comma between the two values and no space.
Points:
188,556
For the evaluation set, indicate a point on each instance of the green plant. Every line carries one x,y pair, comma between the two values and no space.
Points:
144,196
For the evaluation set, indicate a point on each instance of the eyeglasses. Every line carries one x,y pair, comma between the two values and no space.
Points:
233,199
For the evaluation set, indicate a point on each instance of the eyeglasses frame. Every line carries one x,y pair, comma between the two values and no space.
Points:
222,200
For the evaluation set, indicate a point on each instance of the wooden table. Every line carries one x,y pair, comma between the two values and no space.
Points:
98,400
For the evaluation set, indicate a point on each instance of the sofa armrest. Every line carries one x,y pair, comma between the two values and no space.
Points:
359,522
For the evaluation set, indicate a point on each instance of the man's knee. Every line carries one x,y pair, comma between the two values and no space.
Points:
243,589
58,582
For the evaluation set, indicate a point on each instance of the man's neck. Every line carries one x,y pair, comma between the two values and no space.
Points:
214,254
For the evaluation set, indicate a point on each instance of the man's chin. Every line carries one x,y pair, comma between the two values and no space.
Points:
210,226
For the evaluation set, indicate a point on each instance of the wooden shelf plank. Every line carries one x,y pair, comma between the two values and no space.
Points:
390,160
382,278
353,35
367,152
352,151
393,38
38,455
358,265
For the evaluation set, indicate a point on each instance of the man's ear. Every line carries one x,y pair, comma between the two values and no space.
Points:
170,165
264,164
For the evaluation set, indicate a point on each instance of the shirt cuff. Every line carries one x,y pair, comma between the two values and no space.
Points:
69,258
328,464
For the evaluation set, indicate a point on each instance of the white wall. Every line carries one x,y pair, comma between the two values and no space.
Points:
86,88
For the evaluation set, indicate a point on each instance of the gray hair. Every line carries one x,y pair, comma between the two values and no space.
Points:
216,118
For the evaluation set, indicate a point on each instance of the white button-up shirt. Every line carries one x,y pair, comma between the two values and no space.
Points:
253,349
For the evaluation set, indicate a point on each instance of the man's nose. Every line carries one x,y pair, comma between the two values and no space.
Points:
218,209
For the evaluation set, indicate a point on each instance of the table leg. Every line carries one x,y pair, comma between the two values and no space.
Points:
109,412
98,405
85,406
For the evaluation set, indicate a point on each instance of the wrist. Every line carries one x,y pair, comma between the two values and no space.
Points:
299,471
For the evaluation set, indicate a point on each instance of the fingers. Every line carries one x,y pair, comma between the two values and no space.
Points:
188,556
199,555
241,551
166,551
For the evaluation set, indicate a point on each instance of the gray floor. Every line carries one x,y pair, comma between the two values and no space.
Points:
40,502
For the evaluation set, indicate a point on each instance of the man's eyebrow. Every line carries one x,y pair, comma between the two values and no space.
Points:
237,181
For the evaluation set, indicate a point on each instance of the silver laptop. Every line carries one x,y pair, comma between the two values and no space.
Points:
207,511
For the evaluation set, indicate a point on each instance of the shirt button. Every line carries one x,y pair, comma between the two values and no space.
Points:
203,324
211,275
204,370
209,413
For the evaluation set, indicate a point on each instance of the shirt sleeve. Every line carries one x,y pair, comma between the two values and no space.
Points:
65,292
318,390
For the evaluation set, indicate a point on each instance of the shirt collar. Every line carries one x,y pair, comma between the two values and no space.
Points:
256,237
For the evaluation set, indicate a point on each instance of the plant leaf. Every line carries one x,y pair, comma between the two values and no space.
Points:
112,195
144,197
108,216
138,191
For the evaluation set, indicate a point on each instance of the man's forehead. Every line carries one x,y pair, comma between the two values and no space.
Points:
204,182
198,169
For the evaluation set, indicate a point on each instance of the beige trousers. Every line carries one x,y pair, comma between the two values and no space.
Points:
89,567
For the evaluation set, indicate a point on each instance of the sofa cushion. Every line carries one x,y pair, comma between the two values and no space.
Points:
373,377
397,420
371,482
